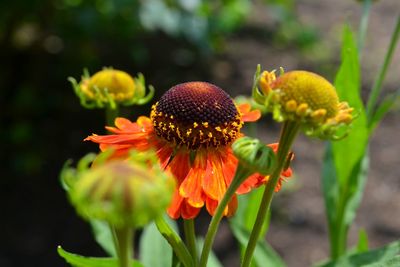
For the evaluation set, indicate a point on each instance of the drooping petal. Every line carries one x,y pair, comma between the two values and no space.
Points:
180,166
174,209
188,211
214,184
212,205
191,186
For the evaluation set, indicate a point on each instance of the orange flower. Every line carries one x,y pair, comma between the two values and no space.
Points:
192,128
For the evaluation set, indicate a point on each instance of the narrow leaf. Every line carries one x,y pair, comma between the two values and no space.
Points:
330,188
154,249
362,245
355,190
347,84
81,261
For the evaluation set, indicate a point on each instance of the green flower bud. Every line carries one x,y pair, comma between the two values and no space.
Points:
254,155
123,193
109,87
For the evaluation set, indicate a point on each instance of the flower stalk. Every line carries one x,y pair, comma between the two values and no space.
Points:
289,132
190,238
124,245
241,174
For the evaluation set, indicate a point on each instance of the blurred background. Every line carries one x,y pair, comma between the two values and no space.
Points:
43,42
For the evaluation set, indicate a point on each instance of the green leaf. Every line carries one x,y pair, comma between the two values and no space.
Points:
103,236
362,245
174,240
264,255
384,256
212,259
81,261
347,84
393,262
330,186
248,209
154,249
355,189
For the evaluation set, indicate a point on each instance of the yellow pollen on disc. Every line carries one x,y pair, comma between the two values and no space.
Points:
197,134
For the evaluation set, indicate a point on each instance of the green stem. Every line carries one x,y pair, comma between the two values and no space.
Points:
240,175
125,245
363,25
377,87
175,241
288,134
190,238
111,114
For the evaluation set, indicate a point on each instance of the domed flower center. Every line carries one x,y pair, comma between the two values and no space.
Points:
195,115
308,88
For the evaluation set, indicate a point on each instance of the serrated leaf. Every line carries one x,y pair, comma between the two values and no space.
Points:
378,257
154,249
80,261
264,255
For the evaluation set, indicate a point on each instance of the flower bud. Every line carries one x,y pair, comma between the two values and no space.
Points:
123,193
254,155
110,87
304,97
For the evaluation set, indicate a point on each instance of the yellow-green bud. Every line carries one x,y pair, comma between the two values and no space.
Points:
123,193
110,87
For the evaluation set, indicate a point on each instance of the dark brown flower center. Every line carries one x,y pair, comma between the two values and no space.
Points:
196,114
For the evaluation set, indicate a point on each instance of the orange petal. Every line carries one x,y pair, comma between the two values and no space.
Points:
189,212
248,115
174,209
212,205
229,165
191,185
252,181
214,184
180,166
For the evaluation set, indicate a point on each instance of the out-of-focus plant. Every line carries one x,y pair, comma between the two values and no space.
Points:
290,29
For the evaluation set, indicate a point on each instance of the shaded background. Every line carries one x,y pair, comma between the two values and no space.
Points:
42,42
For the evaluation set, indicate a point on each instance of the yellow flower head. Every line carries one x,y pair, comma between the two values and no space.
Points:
118,84
110,87
305,97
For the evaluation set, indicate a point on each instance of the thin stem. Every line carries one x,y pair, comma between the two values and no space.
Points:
190,238
111,114
125,246
363,25
175,241
240,175
288,134
377,87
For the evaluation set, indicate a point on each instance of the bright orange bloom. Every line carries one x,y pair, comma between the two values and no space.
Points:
192,128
